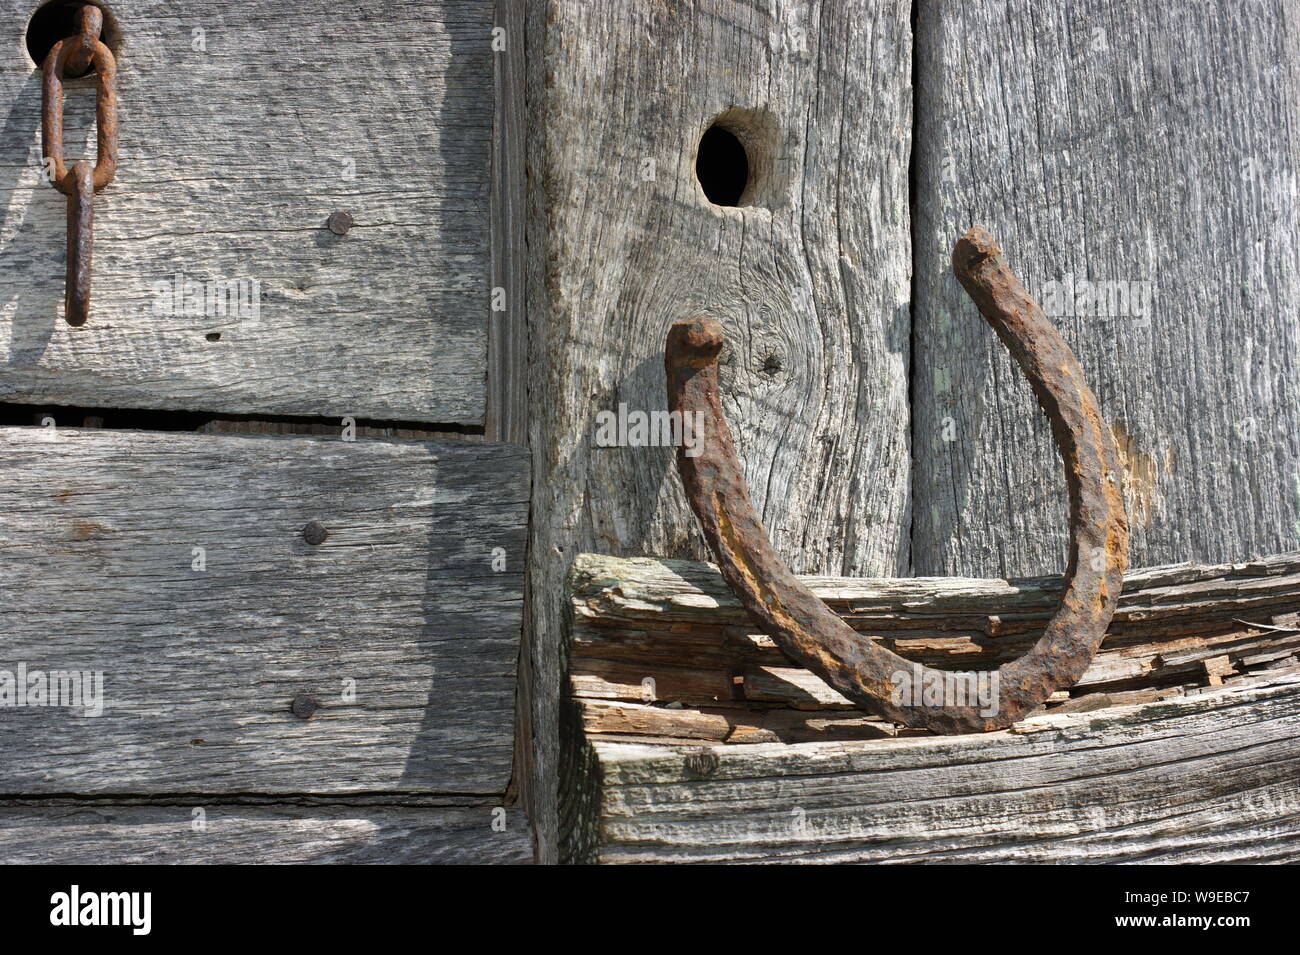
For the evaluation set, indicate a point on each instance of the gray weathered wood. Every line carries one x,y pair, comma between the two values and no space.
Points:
662,650
679,769
232,158
236,835
809,276
97,538
507,397
1148,142
1212,778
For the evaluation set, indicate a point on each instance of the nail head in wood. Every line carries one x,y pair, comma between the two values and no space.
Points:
702,763
339,223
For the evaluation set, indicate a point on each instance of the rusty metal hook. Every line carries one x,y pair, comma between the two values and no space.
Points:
808,631
73,55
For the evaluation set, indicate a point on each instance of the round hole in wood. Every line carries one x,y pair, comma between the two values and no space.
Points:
57,20
722,166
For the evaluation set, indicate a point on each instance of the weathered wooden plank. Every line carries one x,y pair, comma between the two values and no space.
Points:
507,397
633,590
663,650
101,535
669,763
1152,144
809,274
1212,778
738,724
237,835
243,127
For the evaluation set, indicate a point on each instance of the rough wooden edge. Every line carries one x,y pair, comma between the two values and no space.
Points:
647,806
673,630
624,761
506,414
577,838
664,798
695,589
540,677
580,782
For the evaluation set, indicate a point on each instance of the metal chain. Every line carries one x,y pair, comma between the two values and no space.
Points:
73,56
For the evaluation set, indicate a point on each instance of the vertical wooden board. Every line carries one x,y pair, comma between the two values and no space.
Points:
176,566
507,396
1111,142
243,127
809,276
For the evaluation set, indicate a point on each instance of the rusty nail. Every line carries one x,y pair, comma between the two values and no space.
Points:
339,223
304,706
315,533
702,763
809,632
81,221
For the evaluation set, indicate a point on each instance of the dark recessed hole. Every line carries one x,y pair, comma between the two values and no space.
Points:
57,20
213,336
136,419
722,166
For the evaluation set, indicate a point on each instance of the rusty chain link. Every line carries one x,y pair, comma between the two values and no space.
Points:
73,56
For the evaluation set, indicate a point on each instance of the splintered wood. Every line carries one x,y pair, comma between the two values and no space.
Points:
662,653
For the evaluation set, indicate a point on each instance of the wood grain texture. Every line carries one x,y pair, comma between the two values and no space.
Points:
232,158
663,651
1206,779
507,397
167,835
1103,141
809,275
98,532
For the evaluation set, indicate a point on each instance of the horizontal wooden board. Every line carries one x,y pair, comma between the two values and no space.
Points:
226,835
1212,778
244,126
663,649
693,738
401,604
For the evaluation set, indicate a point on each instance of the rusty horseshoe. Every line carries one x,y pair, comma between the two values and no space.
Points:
809,632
